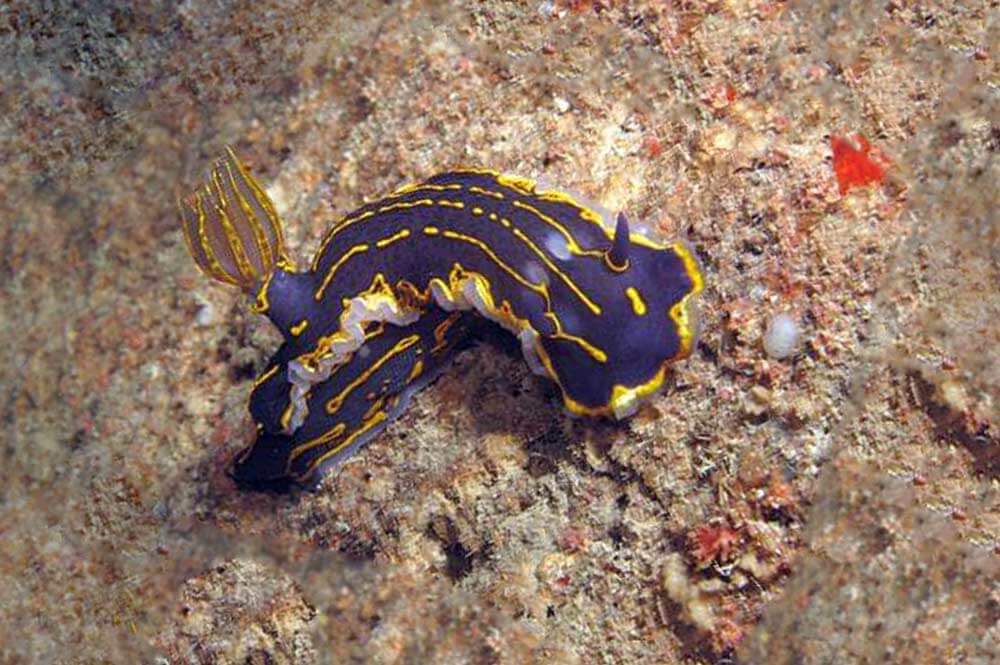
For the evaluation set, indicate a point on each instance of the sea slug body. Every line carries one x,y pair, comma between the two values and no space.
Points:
352,405
395,286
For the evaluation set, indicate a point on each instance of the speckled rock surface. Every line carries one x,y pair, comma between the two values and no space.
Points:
240,612
839,505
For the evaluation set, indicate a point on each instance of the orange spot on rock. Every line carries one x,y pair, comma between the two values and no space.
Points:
727,634
577,6
221,434
719,97
653,146
134,338
572,539
852,163
780,494
710,543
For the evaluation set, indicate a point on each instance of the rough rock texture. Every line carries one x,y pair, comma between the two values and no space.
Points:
884,581
835,161
240,612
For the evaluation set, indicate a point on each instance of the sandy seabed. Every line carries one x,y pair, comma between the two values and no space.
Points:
835,161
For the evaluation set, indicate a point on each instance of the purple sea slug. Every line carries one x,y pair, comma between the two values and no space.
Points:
396,285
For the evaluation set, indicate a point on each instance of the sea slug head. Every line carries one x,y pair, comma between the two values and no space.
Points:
647,321
262,466
234,235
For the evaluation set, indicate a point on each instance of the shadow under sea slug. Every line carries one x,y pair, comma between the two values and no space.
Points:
598,309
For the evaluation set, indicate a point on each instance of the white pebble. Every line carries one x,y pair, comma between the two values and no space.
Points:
781,339
205,315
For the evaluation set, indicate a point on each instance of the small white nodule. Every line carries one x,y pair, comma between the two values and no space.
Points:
557,246
781,339
535,273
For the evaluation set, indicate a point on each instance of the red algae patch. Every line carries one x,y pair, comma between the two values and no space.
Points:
853,164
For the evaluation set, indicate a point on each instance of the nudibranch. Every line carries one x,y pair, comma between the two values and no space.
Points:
357,400
600,310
